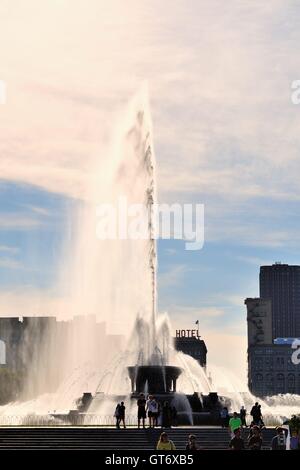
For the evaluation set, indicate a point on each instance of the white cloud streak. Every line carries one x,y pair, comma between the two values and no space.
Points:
220,79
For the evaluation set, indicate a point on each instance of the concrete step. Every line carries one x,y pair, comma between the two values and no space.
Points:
114,439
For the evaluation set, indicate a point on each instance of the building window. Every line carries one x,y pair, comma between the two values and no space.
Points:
291,383
270,383
280,383
259,379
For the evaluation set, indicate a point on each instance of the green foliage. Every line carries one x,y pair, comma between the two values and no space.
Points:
294,423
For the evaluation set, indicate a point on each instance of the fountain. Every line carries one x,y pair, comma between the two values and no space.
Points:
115,280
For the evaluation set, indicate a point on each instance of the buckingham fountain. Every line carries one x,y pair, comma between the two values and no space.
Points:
113,278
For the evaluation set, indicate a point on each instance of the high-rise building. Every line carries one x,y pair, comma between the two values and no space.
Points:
280,283
273,323
259,320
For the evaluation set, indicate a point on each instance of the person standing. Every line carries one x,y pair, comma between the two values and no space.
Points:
279,441
237,442
141,404
224,417
122,414
255,439
165,443
117,416
260,417
295,441
155,411
151,409
234,423
192,443
174,420
243,414
256,413
166,415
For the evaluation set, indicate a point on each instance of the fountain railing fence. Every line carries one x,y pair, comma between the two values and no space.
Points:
83,420
79,420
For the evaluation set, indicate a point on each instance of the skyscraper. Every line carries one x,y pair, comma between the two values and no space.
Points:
280,283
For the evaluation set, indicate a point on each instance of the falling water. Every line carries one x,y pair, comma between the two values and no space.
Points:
111,279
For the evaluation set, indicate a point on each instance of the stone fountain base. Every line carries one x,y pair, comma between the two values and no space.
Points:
153,379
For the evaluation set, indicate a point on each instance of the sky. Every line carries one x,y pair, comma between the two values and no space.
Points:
226,135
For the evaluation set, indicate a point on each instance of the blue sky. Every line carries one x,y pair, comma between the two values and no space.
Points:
32,230
225,130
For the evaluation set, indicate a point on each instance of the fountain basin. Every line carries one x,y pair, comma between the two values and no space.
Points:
153,379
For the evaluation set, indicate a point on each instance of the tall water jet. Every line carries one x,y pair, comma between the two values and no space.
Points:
111,272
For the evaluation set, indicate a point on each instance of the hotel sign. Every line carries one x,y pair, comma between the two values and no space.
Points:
187,334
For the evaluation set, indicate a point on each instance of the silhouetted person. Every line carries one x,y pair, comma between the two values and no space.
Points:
295,441
279,441
224,415
122,414
192,443
260,417
237,442
243,413
166,415
141,404
117,416
174,416
255,439
156,409
256,413
159,414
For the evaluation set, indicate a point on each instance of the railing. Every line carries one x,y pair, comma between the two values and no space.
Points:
66,420
86,420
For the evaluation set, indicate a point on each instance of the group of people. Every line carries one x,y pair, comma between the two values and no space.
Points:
165,415
164,443
256,413
279,441
238,421
254,440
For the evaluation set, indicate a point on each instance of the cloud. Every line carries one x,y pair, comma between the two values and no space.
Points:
29,301
184,316
256,261
14,221
173,276
37,210
170,251
220,84
9,263
220,94
9,249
